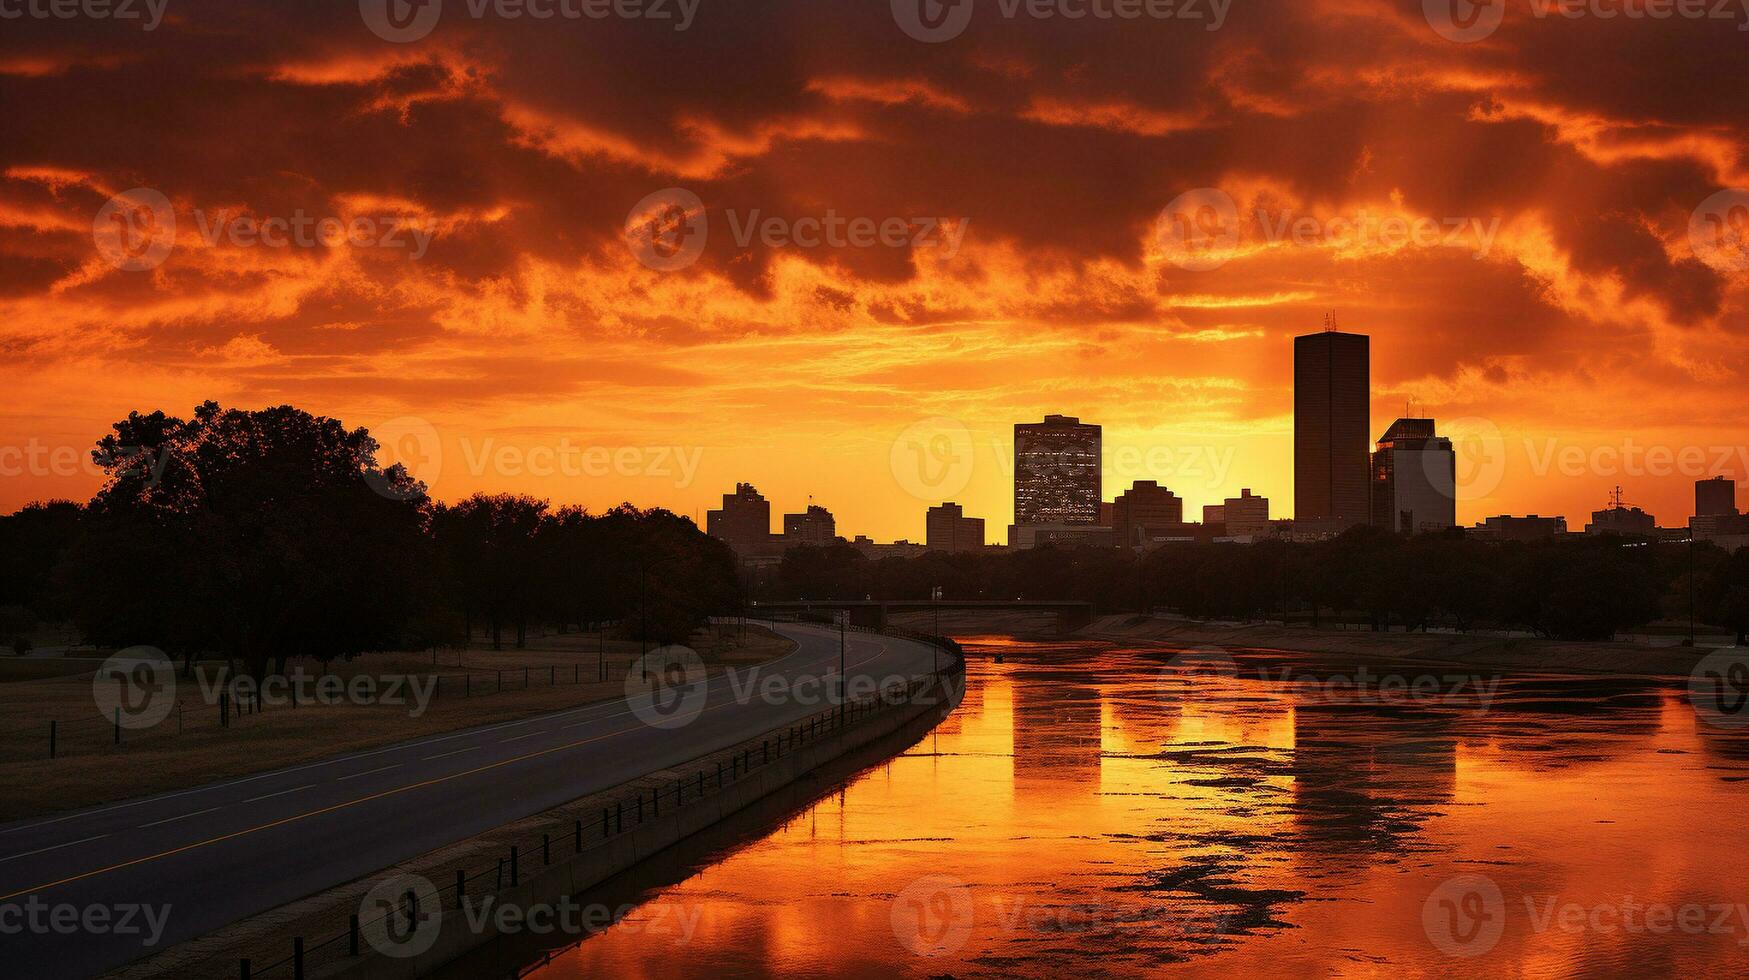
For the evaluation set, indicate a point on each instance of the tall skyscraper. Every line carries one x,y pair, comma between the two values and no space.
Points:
1332,380
1057,472
947,528
744,522
1414,479
1715,497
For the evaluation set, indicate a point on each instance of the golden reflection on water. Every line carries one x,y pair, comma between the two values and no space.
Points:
1109,809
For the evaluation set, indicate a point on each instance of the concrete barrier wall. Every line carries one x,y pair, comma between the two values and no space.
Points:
569,878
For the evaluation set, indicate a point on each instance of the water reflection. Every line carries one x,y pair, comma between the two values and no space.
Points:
1094,808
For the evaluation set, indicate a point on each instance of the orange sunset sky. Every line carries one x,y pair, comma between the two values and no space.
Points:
1590,326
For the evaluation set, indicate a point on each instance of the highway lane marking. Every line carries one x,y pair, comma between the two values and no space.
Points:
368,772
282,792
445,755
518,738
40,850
322,810
185,816
417,743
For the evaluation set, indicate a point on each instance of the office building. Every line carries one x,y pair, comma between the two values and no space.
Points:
1144,505
743,523
1619,518
947,528
874,551
1246,515
814,526
1715,497
1332,378
1214,513
1027,536
1414,479
1057,472
1505,527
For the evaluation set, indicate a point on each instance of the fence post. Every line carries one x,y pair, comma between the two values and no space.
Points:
52,738
619,817
764,752
577,832
118,726
352,935
513,866
701,784
655,802
243,968
461,886
546,849
298,958
604,830
467,684
224,709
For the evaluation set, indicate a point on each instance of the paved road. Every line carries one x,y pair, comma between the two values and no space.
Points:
229,850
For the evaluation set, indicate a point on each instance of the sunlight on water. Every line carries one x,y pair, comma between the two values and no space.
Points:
1093,808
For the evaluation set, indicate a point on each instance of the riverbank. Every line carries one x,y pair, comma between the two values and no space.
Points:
1475,650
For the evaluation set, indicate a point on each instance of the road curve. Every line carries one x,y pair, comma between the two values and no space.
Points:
222,852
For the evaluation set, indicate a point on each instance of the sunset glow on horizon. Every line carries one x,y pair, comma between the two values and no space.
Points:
904,247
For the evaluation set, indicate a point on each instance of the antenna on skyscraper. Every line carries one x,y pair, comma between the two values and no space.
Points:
1330,321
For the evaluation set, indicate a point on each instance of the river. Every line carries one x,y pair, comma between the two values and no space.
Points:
1094,808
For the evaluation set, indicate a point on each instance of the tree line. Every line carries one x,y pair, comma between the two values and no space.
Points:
264,536
1579,588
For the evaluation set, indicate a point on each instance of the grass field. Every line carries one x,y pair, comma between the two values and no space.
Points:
189,747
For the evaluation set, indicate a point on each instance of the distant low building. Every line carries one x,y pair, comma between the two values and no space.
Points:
1619,518
1027,536
815,526
874,551
1246,515
947,528
1214,514
1508,528
1716,497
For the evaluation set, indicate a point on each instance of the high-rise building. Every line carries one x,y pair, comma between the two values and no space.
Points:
814,526
1056,472
947,528
1414,479
1332,379
1145,505
744,522
1715,497
1246,514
